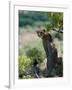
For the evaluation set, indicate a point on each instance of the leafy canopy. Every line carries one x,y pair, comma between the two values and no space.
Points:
55,21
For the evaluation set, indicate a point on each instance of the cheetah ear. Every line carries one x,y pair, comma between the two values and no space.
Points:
44,30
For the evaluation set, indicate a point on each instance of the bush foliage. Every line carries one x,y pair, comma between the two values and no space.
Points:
35,53
24,64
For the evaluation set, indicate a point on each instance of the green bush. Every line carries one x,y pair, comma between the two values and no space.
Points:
48,26
24,65
35,53
30,17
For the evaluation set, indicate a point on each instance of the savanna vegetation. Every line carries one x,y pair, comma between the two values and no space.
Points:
31,47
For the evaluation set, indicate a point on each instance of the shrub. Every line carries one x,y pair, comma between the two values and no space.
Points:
24,65
35,53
